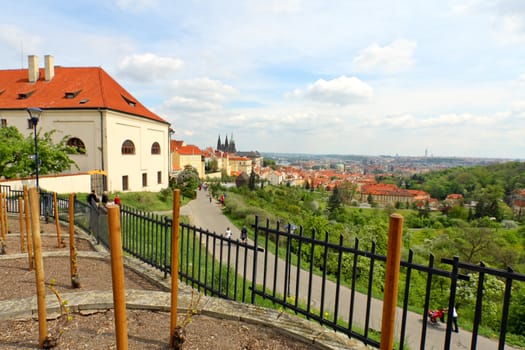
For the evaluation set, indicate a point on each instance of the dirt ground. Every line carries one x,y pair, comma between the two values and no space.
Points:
146,329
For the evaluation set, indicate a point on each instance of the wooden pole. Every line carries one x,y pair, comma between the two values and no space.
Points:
73,262
29,237
393,261
39,266
174,264
57,223
117,275
21,223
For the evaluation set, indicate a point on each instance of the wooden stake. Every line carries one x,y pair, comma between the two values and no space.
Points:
39,266
117,275
393,261
174,264
29,237
57,223
73,262
21,223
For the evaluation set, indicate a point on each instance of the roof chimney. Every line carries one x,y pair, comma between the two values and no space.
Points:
49,64
33,73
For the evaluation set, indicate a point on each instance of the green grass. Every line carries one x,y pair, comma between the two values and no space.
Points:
147,201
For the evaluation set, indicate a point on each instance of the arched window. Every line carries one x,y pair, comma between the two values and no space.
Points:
128,147
155,148
78,144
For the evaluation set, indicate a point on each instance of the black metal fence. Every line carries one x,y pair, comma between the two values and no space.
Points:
333,283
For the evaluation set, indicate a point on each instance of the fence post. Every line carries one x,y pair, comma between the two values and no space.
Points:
393,261
117,275
39,266
57,223
73,258
174,264
29,237
21,223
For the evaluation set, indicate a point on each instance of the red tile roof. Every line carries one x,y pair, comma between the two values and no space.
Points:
89,87
175,144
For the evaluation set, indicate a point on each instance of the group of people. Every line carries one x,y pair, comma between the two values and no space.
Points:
244,234
103,202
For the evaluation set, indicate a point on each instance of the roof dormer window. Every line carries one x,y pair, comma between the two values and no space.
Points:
24,95
71,94
84,100
129,101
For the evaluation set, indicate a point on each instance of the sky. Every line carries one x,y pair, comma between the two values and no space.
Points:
374,77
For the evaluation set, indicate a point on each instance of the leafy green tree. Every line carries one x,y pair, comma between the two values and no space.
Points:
17,154
212,166
268,162
253,179
334,202
242,180
187,181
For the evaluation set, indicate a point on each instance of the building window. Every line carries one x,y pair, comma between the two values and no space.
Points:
159,177
4,123
77,143
125,185
128,147
29,124
144,180
155,148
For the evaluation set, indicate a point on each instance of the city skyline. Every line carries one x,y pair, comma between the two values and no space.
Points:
294,76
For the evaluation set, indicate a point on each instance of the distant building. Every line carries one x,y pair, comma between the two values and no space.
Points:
183,155
227,146
126,143
256,157
384,194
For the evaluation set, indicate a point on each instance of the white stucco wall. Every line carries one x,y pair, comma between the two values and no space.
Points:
103,134
70,183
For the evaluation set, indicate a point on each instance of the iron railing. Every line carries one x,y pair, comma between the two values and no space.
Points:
305,273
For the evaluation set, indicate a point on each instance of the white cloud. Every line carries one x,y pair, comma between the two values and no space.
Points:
340,91
179,104
204,89
510,29
393,58
136,5
148,67
197,95
15,38
408,121
278,6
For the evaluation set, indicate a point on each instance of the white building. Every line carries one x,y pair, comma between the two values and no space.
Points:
117,135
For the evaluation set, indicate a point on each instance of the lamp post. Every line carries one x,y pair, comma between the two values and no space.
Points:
34,116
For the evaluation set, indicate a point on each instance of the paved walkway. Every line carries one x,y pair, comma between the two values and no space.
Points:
208,215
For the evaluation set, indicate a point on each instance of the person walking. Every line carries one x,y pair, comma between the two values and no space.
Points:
92,199
244,234
455,319
228,233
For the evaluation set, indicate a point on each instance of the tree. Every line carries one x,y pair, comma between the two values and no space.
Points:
242,180
253,179
187,181
17,154
334,202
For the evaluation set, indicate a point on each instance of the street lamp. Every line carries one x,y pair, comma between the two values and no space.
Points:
34,116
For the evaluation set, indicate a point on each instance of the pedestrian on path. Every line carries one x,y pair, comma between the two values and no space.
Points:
228,233
244,234
455,319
